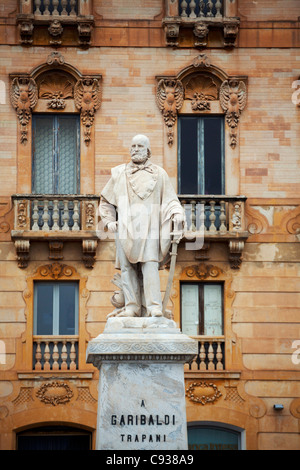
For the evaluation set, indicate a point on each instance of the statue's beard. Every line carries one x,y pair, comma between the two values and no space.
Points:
139,156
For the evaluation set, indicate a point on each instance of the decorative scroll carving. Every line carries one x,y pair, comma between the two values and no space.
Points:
201,89
169,99
22,249
201,60
24,97
26,31
89,249
55,58
56,250
233,97
172,33
56,271
84,32
203,393
87,99
202,271
235,256
55,393
231,29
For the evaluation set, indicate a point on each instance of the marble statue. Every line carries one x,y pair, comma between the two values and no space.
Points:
140,206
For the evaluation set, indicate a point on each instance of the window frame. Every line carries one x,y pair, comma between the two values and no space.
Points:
56,311
201,156
201,312
56,117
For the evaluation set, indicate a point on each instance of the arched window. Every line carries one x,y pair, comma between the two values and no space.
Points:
215,436
54,438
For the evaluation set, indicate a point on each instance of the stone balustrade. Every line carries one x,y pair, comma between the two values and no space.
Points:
214,215
201,9
210,355
55,7
55,218
55,353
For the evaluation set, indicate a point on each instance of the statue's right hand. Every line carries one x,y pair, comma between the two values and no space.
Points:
112,227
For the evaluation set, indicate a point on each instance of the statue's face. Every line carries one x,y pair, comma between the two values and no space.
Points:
139,150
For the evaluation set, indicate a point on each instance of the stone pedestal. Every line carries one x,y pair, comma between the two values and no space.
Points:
141,404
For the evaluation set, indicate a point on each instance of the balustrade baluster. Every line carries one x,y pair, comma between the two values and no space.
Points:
46,216
209,5
73,5
210,356
55,356
218,9
193,7
219,357
202,357
55,4
64,356
35,215
47,356
64,5
73,356
201,8
66,215
46,3
76,216
223,227
38,356
55,215
184,6
212,217
37,4
193,215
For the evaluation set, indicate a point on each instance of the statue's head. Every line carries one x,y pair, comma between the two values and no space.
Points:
140,149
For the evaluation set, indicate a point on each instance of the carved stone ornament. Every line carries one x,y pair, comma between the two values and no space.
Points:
172,33
56,271
203,393
231,29
55,30
22,249
235,253
201,32
26,31
89,249
201,89
87,96
56,88
233,97
24,96
202,271
84,33
55,58
55,393
169,97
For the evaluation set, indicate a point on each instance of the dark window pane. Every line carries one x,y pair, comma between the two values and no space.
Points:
188,156
67,308
44,308
213,155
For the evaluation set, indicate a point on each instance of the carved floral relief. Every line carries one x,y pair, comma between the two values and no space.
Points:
170,98
24,98
233,97
87,95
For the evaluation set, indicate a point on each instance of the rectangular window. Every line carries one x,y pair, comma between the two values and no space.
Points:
201,155
202,309
56,154
56,308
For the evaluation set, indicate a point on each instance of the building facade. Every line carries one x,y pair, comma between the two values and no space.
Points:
215,85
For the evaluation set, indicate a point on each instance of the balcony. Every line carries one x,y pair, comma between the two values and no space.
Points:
210,355
56,219
201,16
55,353
55,14
215,218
